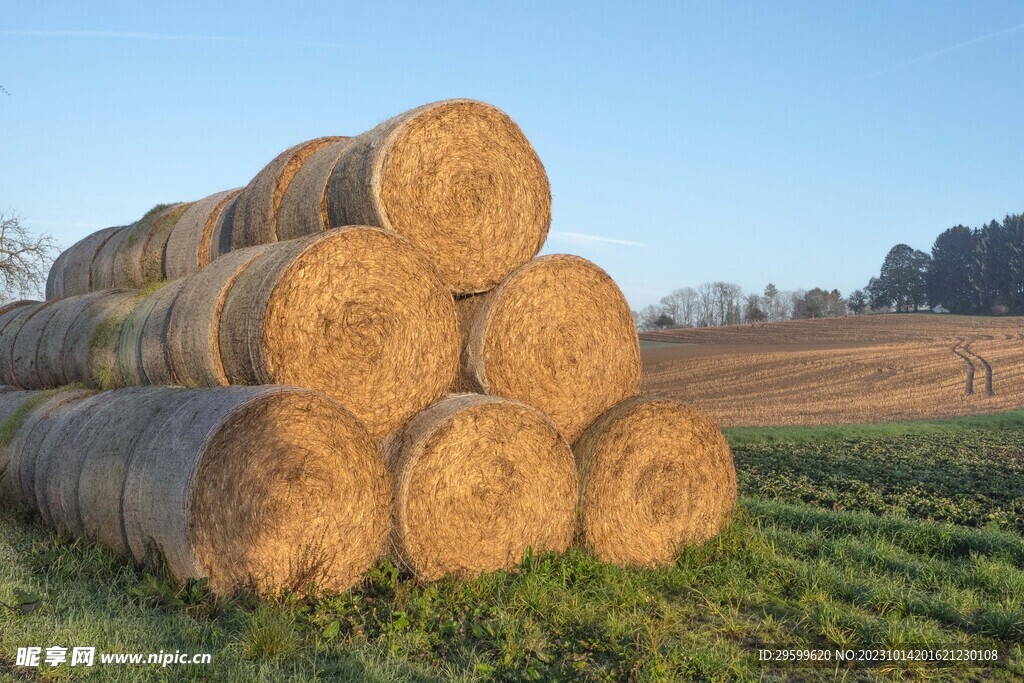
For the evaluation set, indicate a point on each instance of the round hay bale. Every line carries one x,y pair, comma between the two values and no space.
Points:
654,475
255,219
304,204
27,342
130,370
477,480
271,487
139,258
60,452
80,359
14,407
77,266
50,354
220,239
156,364
559,335
55,278
357,313
104,369
188,245
459,179
26,445
193,330
101,275
14,320
153,249
93,486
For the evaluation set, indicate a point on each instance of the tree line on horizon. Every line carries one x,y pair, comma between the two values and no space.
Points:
970,271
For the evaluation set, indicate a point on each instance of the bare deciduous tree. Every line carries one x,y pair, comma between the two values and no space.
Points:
24,258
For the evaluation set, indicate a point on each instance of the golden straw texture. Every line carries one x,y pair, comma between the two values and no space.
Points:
459,179
356,312
270,487
188,245
255,219
557,334
654,475
304,204
477,480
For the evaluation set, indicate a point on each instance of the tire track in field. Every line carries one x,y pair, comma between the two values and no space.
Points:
969,384
985,364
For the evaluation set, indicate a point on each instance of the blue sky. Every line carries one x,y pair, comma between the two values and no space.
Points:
751,142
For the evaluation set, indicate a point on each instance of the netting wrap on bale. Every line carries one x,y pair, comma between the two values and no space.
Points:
193,330
12,322
14,407
355,312
24,353
267,486
557,334
303,208
25,448
459,179
256,209
477,480
654,475
188,245
73,269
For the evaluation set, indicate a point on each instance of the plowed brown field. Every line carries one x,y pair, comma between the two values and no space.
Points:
873,368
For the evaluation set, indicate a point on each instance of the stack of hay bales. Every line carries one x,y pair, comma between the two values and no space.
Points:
395,272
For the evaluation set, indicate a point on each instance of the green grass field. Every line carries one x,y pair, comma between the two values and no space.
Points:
883,536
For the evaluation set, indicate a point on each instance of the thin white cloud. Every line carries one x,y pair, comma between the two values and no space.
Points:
139,35
584,237
943,51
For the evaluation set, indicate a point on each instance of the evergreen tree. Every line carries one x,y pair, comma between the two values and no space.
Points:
951,274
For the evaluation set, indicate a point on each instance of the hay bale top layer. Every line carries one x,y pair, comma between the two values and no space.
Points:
459,179
270,486
188,245
76,277
355,312
654,475
557,334
477,480
103,263
255,219
153,248
220,238
304,204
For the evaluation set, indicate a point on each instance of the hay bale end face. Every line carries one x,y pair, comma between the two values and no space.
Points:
188,245
654,475
273,487
356,312
477,480
256,210
459,179
557,334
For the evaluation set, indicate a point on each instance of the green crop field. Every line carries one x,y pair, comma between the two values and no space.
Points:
886,536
